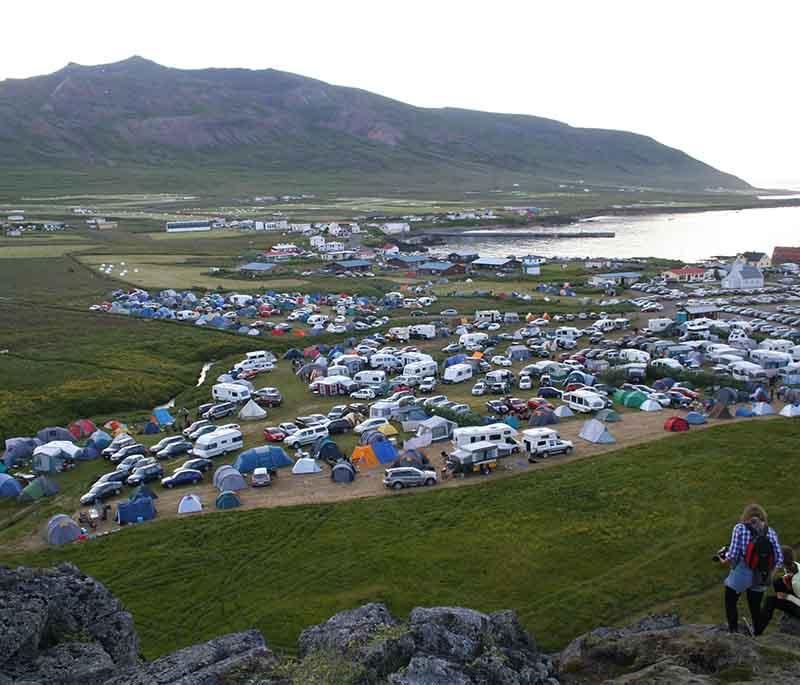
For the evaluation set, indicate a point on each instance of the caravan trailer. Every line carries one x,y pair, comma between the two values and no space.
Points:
457,373
500,434
230,392
417,371
218,442
584,401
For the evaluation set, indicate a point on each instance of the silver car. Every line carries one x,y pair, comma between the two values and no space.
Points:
408,477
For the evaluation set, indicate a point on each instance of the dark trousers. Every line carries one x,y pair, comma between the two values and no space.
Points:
773,603
732,612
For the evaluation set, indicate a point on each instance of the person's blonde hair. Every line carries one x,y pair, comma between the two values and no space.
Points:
752,510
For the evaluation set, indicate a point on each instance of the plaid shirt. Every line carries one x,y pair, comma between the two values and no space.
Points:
742,536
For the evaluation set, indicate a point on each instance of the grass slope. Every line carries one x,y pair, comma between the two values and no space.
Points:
590,543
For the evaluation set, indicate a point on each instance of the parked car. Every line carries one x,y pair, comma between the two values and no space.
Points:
363,394
260,477
268,397
196,425
428,384
182,477
117,444
202,430
100,491
174,449
549,392
370,424
219,411
274,434
339,426
497,407
312,420
408,477
479,389
144,474
128,451
525,382
288,428
115,476
162,444
129,463
198,464
500,360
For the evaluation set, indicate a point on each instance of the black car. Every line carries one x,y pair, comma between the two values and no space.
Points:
113,477
174,449
128,451
339,426
499,388
219,411
144,474
497,407
268,397
182,477
198,464
99,491
549,392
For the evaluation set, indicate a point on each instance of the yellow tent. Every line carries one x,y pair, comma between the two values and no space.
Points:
387,429
363,457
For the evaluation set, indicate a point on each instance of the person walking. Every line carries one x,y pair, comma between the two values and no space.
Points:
753,553
787,592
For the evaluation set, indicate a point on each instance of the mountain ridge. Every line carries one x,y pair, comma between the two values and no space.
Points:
137,111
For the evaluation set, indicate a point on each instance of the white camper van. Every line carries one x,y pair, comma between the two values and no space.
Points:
371,378
218,442
230,392
778,345
383,360
469,340
584,401
747,371
490,315
400,333
457,373
567,333
500,434
604,325
542,442
426,331
416,371
658,325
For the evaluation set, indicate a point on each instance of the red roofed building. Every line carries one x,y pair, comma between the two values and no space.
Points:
688,274
786,255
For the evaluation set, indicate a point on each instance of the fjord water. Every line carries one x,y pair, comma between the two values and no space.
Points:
688,237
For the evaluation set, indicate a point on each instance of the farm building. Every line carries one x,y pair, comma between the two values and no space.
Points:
187,226
495,264
440,269
351,265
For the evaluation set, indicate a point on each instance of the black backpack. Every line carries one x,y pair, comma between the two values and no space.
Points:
759,555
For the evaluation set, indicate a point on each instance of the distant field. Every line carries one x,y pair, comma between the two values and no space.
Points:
205,235
40,251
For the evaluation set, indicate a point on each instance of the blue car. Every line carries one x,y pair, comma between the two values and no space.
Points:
182,477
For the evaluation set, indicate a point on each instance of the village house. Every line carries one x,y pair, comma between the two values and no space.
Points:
388,250
440,269
505,264
300,228
395,228
760,260
354,265
623,278
786,255
687,274
317,242
337,255
407,262
742,276
463,256
532,265
333,246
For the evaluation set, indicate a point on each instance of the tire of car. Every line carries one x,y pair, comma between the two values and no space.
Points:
168,485
397,486
568,450
429,481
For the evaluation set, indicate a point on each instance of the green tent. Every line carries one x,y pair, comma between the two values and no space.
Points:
228,500
36,489
608,416
635,399
619,396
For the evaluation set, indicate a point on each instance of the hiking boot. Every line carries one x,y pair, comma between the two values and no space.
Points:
748,628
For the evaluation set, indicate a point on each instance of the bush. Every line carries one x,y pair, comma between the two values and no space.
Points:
469,418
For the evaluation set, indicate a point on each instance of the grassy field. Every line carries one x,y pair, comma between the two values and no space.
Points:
590,543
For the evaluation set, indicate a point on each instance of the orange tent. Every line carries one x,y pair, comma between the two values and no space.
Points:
363,457
546,316
299,333
477,355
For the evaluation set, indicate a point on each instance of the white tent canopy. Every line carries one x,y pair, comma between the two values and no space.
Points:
190,504
252,412
595,431
305,465
763,409
563,412
791,410
650,405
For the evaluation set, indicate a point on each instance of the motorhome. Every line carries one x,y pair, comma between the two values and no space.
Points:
542,442
658,325
567,333
230,392
747,371
770,360
584,401
604,325
472,339
499,376
490,315
370,378
621,323
774,345
500,434
426,331
457,373
417,371
382,360
218,442
400,333
633,355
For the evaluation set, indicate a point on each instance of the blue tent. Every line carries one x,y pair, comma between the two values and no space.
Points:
9,487
55,433
91,451
327,450
455,359
228,500
512,421
100,439
268,457
695,418
163,417
18,449
744,412
150,428
141,509
384,451
142,491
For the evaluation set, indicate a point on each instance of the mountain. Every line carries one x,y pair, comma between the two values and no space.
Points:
139,113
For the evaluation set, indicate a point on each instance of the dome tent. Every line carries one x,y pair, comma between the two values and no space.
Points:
791,410
190,504
650,405
134,511
227,500
18,449
38,488
305,465
55,433
676,424
252,412
60,530
596,432
343,472
694,418
81,429
564,412
269,457
228,478
635,399
608,416
763,409
744,412
9,486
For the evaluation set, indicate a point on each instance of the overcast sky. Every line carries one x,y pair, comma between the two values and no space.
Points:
717,79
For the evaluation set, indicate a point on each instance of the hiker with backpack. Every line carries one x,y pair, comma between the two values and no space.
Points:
753,553
787,592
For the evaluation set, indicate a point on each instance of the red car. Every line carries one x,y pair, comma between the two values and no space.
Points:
536,402
274,434
515,403
691,394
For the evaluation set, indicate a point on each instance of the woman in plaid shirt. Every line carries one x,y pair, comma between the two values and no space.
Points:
743,578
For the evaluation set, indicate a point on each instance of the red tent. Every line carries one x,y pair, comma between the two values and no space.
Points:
82,428
676,424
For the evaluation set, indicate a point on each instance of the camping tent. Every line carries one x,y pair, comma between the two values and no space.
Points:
542,417
364,457
436,428
228,500
726,396
18,449
676,424
596,432
412,457
650,405
228,478
55,433
163,417
512,421
694,418
81,429
60,530
564,412
719,411
326,450
763,409
142,491
269,457
37,488
150,428
47,459
100,439
293,353
608,416
189,504
134,511
760,394
252,412
791,410
387,429
385,452
305,465
744,412
634,399
9,487
343,472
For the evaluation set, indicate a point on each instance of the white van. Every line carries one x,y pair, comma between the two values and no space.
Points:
218,442
261,355
256,364
774,345
230,392
371,378
426,331
382,360
567,333
305,436
457,373
584,401
667,364
186,315
416,371
747,371
633,355
658,325
472,339
400,333
604,325
496,433
490,315
622,323
542,442
317,320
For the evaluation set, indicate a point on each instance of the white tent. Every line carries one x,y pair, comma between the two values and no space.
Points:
59,448
305,465
252,412
650,405
791,410
190,504
564,412
595,431
762,409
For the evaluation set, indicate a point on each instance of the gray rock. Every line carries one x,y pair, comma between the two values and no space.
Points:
665,672
452,633
346,631
75,663
789,625
423,670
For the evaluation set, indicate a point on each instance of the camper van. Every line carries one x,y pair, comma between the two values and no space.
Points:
604,325
633,355
383,409
399,333
426,331
567,333
254,364
658,325
542,442
370,379
230,392
622,323
490,315
771,361
500,434
382,360
416,371
218,442
747,371
777,345
472,340
584,401
457,373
